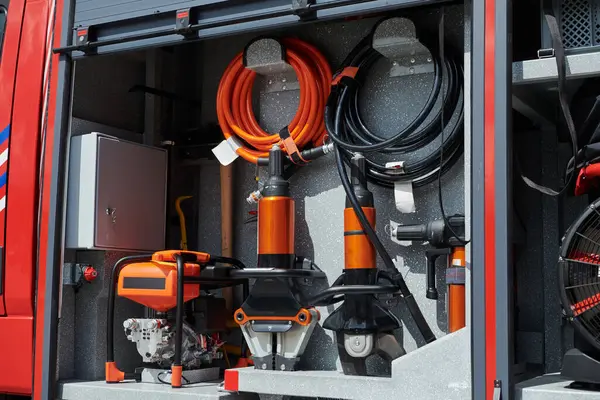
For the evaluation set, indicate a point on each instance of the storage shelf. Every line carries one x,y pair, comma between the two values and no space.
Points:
551,387
100,390
533,79
544,70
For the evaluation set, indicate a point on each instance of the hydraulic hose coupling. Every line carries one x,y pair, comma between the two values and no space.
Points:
307,127
254,197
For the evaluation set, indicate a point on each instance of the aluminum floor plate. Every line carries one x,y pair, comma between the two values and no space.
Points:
552,387
100,390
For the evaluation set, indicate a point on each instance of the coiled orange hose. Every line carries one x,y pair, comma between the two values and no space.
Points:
234,103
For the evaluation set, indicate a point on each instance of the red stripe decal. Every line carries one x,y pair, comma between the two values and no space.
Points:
232,380
489,199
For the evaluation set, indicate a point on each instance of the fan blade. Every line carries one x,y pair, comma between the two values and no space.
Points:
579,261
583,285
587,238
586,304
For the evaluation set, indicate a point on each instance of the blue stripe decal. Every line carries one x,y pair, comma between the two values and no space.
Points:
4,134
2,180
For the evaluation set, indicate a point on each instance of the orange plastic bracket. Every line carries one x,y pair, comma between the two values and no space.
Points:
348,71
176,373
112,373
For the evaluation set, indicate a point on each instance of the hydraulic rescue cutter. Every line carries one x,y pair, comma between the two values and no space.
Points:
276,326
363,326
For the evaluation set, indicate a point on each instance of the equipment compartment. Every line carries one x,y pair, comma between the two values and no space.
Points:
554,242
177,88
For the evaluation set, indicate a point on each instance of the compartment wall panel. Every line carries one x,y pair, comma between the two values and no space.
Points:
388,105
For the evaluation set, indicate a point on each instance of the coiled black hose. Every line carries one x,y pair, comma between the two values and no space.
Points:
355,136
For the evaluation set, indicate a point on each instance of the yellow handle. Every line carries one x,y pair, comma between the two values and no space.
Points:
183,243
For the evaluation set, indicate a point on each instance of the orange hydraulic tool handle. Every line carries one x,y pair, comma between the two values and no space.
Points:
359,252
276,222
360,258
236,116
276,217
455,277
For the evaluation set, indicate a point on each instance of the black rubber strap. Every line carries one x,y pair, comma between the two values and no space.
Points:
550,14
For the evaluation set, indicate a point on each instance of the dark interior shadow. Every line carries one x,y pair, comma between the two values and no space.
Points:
320,353
441,302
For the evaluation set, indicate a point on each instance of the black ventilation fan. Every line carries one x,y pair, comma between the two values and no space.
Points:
579,279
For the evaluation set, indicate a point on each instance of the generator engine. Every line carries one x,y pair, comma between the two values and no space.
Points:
154,339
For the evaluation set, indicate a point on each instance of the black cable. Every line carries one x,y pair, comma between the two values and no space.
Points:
462,241
331,301
179,310
234,262
323,297
245,294
398,280
355,136
158,377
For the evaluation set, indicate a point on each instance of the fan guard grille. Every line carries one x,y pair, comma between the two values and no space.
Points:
580,274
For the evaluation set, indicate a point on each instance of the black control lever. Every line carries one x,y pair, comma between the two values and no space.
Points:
432,256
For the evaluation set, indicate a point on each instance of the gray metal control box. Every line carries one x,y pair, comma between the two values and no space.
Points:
116,196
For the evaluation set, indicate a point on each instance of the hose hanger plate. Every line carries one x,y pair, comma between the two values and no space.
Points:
267,57
396,39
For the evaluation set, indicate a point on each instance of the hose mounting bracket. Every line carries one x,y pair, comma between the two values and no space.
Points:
266,57
396,39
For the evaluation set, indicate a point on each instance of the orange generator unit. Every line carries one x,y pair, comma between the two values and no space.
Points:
165,281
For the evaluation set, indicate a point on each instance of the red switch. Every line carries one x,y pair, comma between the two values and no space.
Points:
89,274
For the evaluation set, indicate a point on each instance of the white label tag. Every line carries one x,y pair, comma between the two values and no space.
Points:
395,167
225,151
403,196
403,191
